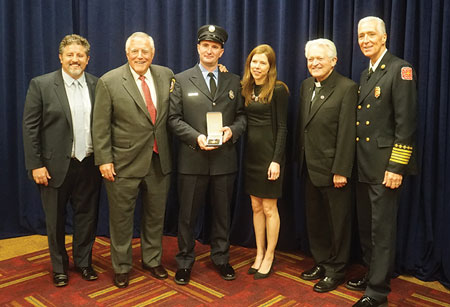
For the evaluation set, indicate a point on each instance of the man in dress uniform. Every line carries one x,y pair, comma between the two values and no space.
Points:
326,133
199,90
132,149
58,154
385,129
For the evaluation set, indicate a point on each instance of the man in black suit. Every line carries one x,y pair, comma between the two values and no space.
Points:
326,137
197,91
386,126
132,149
58,155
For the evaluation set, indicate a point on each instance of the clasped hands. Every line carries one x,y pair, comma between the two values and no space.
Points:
201,139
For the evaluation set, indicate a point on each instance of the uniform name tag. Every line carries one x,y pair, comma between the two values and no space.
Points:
192,94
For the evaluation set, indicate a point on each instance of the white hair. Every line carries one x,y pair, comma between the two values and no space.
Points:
323,42
141,35
381,27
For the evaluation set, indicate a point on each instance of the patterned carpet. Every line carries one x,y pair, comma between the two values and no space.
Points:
26,281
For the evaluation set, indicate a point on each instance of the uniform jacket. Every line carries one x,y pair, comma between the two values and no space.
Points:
123,132
189,103
326,133
47,125
386,120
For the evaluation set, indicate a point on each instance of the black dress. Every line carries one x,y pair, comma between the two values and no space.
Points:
266,140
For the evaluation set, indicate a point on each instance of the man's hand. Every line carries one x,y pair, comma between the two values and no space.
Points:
41,175
392,180
227,134
273,173
339,181
201,141
222,68
107,171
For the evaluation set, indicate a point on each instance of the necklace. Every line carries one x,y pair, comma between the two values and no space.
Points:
254,97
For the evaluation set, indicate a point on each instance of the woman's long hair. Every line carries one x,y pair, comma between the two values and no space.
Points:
248,83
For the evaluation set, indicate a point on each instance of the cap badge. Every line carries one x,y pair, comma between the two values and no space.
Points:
211,28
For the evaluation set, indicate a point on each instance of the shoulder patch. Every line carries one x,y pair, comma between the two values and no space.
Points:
407,73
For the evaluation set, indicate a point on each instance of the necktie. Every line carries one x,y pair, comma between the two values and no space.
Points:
212,84
78,123
369,73
316,96
150,106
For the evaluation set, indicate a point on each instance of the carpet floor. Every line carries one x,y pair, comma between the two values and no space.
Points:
25,280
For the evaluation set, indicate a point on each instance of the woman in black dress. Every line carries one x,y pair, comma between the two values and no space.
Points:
266,101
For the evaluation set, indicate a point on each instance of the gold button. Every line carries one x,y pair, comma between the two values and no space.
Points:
357,123
367,139
368,106
357,139
359,107
214,103
367,123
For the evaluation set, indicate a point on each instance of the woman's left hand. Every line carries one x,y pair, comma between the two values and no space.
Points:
273,173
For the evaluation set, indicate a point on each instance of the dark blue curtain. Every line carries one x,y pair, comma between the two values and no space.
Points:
418,30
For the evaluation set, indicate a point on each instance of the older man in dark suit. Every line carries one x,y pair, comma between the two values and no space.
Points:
326,137
386,126
199,90
132,149
58,154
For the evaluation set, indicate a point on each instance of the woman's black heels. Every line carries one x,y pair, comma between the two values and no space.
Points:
259,275
252,271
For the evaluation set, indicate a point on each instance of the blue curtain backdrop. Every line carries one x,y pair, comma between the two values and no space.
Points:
418,30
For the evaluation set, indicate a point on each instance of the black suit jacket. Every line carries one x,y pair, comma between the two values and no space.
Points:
123,132
326,133
189,103
47,125
386,113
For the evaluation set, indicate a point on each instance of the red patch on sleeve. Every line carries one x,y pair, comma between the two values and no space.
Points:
407,73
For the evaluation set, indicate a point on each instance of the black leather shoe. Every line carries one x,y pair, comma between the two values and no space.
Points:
121,280
327,284
367,301
226,271
316,272
357,284
182,276
60,279
157,271
87,273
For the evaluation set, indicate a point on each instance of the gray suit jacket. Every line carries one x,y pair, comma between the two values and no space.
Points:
326,134
189,103
47,125
123,132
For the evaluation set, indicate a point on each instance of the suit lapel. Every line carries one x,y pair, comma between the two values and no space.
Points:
130,86
325,92
162,108
368,85
222,84
61,93
199,82
91,87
